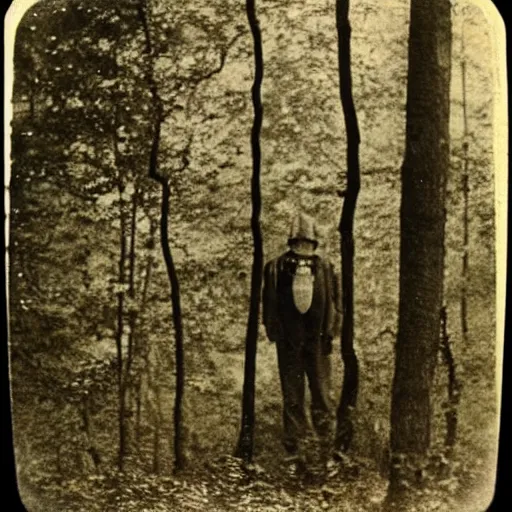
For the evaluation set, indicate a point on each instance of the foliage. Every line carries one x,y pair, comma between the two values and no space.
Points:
65,227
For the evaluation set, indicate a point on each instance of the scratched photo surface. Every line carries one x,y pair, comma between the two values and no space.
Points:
208,306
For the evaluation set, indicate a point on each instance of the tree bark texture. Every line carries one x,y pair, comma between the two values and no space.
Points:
344,431
246,439
465,194
179,456
422,227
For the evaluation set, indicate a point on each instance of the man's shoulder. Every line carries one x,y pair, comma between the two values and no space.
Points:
324,261
271,266
271,263
277,259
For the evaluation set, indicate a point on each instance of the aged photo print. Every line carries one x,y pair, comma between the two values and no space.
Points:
255,253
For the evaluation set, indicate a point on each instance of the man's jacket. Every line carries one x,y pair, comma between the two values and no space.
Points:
282,320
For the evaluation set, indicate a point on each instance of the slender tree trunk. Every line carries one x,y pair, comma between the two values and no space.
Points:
120,327
465,193
344,431
422,226
138,409
179,454
246,439
454,386
156,432
132,318
139,350
92,450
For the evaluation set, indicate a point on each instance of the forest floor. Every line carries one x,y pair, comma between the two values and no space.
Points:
217,481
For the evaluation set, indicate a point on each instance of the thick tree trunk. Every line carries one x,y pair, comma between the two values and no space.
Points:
344,430
422,219
244,448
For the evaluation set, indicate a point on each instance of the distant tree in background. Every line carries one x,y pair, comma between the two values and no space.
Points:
422,233
68,152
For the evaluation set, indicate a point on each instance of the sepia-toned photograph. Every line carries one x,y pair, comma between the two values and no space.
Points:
255,254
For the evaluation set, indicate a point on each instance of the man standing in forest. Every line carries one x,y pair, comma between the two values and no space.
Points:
301,313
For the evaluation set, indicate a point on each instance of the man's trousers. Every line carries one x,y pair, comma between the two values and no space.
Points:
300,360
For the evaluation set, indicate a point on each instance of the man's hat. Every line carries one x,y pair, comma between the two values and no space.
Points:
303,228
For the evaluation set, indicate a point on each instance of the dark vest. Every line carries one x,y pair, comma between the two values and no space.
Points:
280,315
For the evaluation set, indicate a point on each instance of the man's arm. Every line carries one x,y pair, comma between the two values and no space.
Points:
337,301
332,317
270,302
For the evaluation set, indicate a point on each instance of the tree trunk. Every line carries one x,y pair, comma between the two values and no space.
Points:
454,387
120,328
156,432
179,454
465,193
344,430
138,409
92,450
244,448
422,226
132,318
139,350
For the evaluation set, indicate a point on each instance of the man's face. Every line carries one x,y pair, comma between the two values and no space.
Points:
303,247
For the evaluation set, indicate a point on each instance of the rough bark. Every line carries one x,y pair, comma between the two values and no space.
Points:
422,226
344,431
244,448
